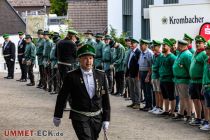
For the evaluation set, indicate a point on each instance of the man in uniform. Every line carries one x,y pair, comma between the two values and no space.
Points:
174,49
9,55
66,53
132,73
21,50
39,53
206,87
196,75
189,39
181,68
107,59
119,67
89,38
99,47
48,44
145,71
30,56
54,61
88,91
166,77
156,45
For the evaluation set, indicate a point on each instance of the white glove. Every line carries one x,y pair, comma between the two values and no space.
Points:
56,121
11,59
105,125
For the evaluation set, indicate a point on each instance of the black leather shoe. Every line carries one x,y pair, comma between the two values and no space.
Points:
31,84
19,80
10,77
6,77
52,93
23,80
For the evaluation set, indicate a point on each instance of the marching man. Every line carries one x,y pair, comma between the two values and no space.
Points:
88,91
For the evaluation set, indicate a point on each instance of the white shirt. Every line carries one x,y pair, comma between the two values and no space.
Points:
5,44
20,41
131,55
89,82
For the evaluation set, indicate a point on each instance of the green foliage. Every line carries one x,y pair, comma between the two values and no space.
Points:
59,7
120,39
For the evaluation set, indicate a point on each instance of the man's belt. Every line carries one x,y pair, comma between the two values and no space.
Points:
88,114
196,78
6,55
21,54
179,77
64,63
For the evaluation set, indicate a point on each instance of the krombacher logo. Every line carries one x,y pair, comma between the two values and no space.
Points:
183,20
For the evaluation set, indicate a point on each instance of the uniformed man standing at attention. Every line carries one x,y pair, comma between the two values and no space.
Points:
9,56
189,39
39,53
30,56
88,91
21,50
89,38
99,46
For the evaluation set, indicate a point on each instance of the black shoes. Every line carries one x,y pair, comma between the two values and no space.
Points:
31,84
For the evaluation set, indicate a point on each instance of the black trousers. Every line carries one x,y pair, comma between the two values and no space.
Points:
10,66
47,77
120,81
109,75
54,78
63,70
87,130
41,73
31,72
23,68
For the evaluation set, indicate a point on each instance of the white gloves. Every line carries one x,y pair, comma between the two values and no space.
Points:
11,59
56,121
105,125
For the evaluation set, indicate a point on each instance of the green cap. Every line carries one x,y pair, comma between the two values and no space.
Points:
40,31
199,38
99,35
128,38
5,36
173,41
20,33
208,45
107,37
143,41
167,42
73,32
86,49
89,32
28,36
134,40
182,42
187,37
156,43
46,33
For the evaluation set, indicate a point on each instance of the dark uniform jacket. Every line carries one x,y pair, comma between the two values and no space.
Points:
9,49
21,49
66,51
133,69
74,87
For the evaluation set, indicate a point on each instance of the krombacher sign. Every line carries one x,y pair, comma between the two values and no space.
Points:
183,20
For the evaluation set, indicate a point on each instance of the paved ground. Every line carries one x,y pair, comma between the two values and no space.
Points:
28,108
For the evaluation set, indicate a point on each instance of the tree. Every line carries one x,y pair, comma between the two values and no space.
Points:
59,7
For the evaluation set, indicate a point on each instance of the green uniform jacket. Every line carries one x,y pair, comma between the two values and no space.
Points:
126,59
48,44
196,67
181,67
156,65
118,58
206,74
192,50
165,69
106,57
30,52
39,50
53,59
90,42
98,58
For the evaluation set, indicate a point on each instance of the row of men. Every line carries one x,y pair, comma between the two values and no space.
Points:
177,79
